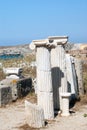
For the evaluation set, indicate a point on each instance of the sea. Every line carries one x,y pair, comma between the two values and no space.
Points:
10,56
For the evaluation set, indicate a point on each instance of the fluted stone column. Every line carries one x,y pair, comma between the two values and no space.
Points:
44,80
58,64
65,103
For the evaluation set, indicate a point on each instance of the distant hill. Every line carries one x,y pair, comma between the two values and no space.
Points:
23,48
75,46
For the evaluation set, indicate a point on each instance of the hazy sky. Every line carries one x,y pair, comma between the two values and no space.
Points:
22,21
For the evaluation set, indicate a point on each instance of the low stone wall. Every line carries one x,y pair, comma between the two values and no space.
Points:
11,89
24,86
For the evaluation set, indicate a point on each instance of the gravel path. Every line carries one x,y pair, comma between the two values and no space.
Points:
13,116
76,121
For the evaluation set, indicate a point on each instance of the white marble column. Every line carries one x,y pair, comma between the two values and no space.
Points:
44,80
58,64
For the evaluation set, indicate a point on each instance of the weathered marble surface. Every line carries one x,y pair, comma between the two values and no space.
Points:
34,115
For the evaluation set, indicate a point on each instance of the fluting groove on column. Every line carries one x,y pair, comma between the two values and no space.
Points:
58,64
44,81
59,72
43,59
45,100
63,69
62,66
70,78
55,76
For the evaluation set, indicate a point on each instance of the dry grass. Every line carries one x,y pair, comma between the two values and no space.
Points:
83,99
80,103
17,62
14,62
29,71
29,58
2,75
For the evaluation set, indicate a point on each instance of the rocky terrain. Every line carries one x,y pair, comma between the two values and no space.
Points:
23,49
12,117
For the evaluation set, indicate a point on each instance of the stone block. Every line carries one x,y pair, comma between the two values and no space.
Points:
5,95
34,115
24,86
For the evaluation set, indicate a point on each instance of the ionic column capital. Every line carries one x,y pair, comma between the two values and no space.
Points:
59,40
41,43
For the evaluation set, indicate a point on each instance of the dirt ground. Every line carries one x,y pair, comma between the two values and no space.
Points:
12,117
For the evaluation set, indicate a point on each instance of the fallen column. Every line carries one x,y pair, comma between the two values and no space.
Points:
44,80
34,115
58,64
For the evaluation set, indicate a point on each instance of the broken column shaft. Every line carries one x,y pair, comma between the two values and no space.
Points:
34,115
